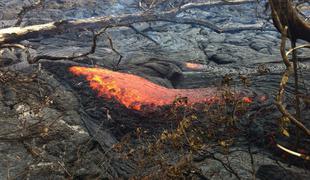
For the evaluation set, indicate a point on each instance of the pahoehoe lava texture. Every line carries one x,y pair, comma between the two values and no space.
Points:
234,53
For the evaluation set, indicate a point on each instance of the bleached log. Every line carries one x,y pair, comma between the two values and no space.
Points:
17,34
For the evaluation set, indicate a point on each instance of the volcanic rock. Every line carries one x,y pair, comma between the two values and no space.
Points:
76,131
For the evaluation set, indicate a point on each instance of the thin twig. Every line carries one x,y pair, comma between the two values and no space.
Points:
26,9
143,34
91,51
114,50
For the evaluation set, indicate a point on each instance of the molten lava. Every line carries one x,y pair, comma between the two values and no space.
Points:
194,66
138,93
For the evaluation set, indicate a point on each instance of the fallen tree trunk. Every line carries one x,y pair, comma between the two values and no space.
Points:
17,34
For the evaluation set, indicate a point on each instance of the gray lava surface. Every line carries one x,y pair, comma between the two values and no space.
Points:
53,126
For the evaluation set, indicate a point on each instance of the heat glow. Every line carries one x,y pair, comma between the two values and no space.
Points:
138,93
194,66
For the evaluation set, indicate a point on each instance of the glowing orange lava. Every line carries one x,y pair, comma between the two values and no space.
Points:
136,92
247,100
194,66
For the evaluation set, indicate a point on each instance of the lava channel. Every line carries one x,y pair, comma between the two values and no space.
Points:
138,93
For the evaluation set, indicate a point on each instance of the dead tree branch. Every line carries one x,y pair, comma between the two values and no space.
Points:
114,50
284,14
17,34
143,34
288,23
35,59
284,81
303,156
91,51
26,9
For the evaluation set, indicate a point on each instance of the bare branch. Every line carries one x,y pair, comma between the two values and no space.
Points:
284,14
37,58
114,50
143,34
26,9
303,156
289,25
91,51
284,81
16,34
18,46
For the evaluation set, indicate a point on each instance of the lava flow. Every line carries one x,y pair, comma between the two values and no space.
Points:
194,66
136,93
